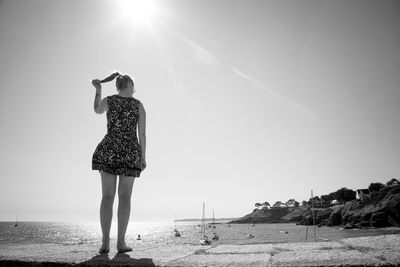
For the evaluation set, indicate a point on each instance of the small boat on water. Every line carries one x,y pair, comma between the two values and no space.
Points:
204,238
176,231
283,231
205,241
249,235
16,222
213,221
215,237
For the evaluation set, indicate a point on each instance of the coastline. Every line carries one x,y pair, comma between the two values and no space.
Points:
378,210
360,251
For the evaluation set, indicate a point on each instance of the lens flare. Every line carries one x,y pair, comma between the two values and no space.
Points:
138,12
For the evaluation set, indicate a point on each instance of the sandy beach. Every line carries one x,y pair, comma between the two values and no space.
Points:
382,250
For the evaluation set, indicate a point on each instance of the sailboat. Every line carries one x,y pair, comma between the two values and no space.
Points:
177,233
315,231
249,235
16,222
213,221
215,236
204,238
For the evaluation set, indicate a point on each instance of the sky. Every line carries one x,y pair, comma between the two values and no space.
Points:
246,101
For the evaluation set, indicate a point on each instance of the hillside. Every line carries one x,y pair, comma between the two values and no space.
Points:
381,210
272,215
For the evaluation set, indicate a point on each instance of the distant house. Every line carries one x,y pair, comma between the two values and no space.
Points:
335,202
363,194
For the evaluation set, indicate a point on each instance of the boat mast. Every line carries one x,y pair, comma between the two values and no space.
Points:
312,209
175,220
203,225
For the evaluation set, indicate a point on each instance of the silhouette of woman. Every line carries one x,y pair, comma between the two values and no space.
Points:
119,153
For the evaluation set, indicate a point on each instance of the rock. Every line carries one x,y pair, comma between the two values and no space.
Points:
392,221
349,226
381,210
379,219
363,224
308,220
322,215
336,217
366,216
296,215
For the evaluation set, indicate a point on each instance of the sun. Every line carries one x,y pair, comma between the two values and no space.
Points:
138,12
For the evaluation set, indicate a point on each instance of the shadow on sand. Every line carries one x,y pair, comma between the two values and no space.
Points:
120,259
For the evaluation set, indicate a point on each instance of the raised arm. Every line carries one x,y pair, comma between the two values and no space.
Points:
142,133
99,105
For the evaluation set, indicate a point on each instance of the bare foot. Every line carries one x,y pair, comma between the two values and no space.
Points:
123,247
104,249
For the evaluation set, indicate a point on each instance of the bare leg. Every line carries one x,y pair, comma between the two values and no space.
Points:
124,208
108,183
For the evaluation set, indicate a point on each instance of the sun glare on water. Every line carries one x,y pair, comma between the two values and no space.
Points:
138,13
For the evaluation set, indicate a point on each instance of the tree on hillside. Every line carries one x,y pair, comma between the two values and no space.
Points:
266,205
258,205
375,187
393,182
278,204
345,195
292,203
325,198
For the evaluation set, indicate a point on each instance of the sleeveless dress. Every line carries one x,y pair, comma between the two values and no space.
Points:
119,152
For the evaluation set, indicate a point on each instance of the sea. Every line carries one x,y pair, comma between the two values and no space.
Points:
156,234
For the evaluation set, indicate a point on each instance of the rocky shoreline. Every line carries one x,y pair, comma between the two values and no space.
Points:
381,210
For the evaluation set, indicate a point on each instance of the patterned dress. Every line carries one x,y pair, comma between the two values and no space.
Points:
119,152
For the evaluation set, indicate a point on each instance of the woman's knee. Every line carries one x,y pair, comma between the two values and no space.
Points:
124,195
109,197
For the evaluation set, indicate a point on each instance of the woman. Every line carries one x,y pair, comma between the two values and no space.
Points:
119,153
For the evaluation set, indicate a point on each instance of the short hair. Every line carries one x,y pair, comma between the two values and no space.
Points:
121,81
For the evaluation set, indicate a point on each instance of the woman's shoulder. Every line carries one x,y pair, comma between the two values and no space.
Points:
117,97
140,106
137,101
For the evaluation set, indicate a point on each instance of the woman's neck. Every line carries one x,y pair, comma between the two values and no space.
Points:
124,94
